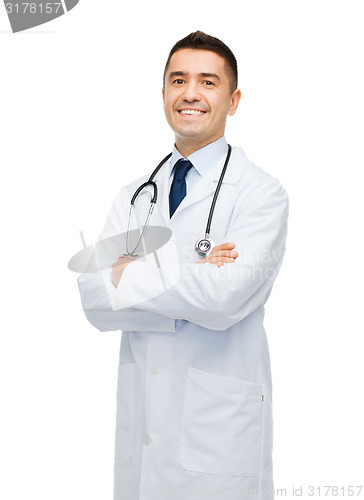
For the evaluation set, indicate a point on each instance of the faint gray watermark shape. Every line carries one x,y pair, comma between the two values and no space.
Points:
101,255
25,15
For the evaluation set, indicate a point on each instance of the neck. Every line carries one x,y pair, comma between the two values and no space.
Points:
186,148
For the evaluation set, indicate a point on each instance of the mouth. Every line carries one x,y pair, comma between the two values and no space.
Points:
191,112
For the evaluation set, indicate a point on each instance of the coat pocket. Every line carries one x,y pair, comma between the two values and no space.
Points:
222,425
125,414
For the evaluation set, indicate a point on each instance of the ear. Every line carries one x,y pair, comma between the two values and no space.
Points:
164,96
235,99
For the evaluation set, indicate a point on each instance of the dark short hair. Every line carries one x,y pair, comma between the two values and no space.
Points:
202,41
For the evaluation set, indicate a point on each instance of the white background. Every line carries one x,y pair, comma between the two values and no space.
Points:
79,97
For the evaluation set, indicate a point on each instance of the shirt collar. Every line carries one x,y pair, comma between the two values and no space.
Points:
203,159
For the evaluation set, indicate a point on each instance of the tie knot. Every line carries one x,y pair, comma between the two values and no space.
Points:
181,168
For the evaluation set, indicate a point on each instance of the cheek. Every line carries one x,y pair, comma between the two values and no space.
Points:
221,109
169,105
170,97
215,103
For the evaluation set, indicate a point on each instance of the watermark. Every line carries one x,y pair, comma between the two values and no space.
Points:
26,15
232,271
293,491
164,264
104,253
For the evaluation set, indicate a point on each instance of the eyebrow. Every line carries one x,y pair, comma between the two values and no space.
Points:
210,75
184,73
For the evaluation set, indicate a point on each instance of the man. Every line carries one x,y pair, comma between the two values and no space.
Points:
194,413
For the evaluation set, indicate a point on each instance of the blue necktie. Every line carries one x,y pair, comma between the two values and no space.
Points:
178,188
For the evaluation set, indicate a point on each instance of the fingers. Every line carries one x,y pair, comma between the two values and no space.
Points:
225,253
217,260
224,250
118,269
122,260
224,246
221,254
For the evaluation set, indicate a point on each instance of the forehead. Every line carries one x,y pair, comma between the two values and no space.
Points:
196,61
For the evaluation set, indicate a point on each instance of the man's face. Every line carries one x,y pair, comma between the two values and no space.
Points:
197,97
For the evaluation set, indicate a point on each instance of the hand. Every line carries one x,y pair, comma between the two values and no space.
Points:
118,268
221,254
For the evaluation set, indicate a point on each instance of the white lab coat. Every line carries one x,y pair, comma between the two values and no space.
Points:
194,399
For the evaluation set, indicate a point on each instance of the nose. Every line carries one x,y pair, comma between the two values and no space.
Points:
191,92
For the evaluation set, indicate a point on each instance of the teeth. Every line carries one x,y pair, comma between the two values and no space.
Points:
191,112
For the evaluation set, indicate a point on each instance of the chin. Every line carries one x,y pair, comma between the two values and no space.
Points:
191,137
187,131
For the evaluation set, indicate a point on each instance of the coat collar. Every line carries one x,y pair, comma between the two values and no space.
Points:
206,185
202,159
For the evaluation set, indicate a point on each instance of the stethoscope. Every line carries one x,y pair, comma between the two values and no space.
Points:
204,245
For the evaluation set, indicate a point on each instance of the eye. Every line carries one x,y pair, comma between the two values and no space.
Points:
178,81
208,83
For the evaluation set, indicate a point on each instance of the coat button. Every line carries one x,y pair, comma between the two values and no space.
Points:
146,440
155,370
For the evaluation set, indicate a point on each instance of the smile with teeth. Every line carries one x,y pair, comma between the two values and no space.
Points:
191,112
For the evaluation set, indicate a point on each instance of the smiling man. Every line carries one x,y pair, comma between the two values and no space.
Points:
194,414
199,92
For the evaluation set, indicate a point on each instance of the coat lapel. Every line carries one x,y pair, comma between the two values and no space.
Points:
203,188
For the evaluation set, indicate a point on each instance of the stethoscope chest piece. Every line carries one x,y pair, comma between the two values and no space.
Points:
204,246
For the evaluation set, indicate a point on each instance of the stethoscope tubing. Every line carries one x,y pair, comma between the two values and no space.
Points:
152,183
212,209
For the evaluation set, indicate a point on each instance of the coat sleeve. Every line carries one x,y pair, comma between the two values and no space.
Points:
212,297
95,288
